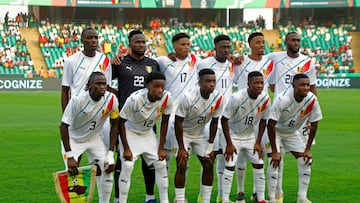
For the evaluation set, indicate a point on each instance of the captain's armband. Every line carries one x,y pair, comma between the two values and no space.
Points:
114,114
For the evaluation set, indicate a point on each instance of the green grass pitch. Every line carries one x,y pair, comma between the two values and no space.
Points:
30,152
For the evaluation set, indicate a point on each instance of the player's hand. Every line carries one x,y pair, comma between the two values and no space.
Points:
172,56
276,158
236,60
127,154
258,149
229,152
72,166
182,157
307,157
161,154
109,168
117,59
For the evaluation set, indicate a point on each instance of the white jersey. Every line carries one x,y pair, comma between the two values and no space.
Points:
86,117
264,66
180,75
141,114
198,111
291,115
224,73
78,68
286,67
245,113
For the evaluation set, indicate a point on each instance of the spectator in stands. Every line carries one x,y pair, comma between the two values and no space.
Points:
272,47
6,18
279,43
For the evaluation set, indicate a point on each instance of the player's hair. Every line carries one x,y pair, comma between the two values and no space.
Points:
205,71
134,32
254,74
254,34
299,76
288,34
156,75
91,78
179,36
85,30
221,38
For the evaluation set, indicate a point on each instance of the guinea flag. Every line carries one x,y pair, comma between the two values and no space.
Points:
76,189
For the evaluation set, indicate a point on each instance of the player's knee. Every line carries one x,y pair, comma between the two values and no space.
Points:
207,164
258,166
98,170
272,173
159,164
241,169
304,169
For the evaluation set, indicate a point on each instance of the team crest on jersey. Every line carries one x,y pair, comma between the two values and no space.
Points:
305,68
216,106
231,70
308,109
267,71
104,112
263,106
148,69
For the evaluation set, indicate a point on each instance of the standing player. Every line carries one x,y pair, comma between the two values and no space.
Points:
196,109
225,75
287,64
137,119
131,74
244,115
78,67
77,70
180,78
82,120
291,109
256,61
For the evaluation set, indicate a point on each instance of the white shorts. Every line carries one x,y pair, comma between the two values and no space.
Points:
105,133
94,147
196,142
145,145
245,149
219,141
171,143
304,131
290,141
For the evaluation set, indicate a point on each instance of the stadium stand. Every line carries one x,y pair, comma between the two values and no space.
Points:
15,58
57,42
202,38
329,45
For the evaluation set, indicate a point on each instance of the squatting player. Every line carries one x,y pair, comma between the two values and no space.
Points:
290,110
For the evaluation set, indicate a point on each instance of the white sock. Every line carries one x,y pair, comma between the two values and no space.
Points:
162,180
259,180
201,174
180,195
220,167
107,180
226,184
206,193
304,172
125,180
280,171
149,197
272,175
116,200
98,185
240,176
